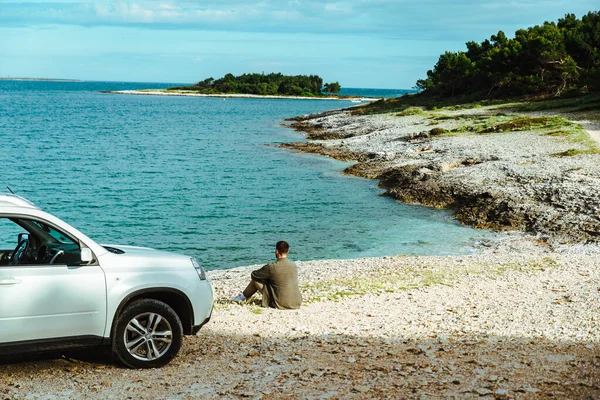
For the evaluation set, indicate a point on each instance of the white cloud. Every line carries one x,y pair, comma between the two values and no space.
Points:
494,5
136,12
428,19
287,15
344,8
148,12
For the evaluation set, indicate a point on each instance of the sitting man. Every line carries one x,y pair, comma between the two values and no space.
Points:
277,281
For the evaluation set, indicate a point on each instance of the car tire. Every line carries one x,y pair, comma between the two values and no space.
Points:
147,334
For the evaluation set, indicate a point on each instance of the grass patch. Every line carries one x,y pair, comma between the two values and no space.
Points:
410,111
467,117
575,134
443,117
412,277
558,133
428,101
550,126
499,122
568,105
502,123
589,103
466,106
593,149
526,123
569,153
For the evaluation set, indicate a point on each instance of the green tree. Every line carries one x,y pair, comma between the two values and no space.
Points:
451,73
333,87
206,84
551,58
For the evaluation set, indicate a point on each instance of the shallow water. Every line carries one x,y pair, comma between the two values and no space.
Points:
200,176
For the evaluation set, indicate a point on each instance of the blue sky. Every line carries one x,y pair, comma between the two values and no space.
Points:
360,43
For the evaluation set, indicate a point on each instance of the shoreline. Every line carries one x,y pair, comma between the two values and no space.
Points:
164,92
537,180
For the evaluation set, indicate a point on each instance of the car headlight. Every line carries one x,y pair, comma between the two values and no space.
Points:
198,267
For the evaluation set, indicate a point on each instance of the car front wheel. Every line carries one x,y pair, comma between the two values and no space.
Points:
148,334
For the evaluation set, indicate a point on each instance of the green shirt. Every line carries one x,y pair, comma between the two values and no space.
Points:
280,280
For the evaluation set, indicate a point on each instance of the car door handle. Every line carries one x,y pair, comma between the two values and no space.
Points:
9,281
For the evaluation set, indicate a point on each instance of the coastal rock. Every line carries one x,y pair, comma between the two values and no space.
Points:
502,180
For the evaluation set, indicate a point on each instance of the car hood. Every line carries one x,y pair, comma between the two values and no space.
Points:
136,251
165,269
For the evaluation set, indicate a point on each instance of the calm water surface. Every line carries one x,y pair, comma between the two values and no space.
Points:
200,176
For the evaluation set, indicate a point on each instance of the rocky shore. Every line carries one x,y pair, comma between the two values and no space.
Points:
494,168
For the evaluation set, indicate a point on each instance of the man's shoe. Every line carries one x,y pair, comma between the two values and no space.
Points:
240,298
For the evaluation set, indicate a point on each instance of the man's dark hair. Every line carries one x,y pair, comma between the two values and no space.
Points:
282,247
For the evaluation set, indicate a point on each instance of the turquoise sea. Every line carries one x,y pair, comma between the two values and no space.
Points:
202,176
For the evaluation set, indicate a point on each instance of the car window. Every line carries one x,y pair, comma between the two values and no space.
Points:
9,234
56,235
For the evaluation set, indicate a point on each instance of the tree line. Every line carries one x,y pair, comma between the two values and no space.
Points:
261,84
553,58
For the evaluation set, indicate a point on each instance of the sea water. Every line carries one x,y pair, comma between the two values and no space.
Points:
376,93
201,176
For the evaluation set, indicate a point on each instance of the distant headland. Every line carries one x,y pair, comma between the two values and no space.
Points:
40,79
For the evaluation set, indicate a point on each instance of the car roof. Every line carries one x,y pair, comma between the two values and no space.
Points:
12,200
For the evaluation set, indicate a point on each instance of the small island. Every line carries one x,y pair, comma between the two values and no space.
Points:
254,85
273,84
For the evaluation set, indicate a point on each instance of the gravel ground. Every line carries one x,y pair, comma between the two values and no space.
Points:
501,324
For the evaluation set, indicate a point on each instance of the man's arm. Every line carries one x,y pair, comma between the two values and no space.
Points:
262,275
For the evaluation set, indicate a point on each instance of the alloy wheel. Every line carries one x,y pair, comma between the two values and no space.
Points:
148,336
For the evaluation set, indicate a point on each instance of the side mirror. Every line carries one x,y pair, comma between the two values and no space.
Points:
23,236
86,255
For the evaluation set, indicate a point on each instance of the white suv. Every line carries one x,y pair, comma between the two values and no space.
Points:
59,288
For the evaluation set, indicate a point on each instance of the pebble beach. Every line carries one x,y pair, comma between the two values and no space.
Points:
495,325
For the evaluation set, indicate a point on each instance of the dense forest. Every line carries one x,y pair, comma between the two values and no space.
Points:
550,59
261,84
